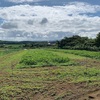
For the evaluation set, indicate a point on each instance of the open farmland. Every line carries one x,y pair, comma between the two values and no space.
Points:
41,57
47,74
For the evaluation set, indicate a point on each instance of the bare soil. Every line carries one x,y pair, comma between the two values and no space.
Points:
65,91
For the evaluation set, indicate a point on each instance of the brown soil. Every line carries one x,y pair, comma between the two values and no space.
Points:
72,91
68,91
59,90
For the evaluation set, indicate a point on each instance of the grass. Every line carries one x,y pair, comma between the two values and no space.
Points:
37,57
84,53
7,51
27,82
9,59
69,55
78,74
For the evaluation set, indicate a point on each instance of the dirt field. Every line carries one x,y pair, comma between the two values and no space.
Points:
49,83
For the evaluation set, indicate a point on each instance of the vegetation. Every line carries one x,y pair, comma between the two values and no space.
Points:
50,70
80,43
98,40
6,51
54,83
75,42
89,54
42,58
84,53
27,44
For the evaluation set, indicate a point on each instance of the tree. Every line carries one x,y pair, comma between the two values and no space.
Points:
97,41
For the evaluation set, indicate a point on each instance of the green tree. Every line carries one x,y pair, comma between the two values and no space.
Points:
97,41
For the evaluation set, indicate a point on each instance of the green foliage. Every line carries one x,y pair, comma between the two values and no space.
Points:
72,41
98,40
42,58
79,53
84,53
80,43
7,51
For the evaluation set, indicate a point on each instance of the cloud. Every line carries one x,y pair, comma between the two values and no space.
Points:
9,25
80,7
44,21
22,1
30,22
25,22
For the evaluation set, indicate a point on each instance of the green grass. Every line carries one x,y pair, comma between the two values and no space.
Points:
69,55
12,58
79,74
84,53
43,58
27,82
7,51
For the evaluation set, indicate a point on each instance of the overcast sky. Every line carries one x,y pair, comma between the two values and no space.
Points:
31,20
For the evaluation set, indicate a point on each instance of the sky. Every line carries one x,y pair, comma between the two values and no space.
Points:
47,20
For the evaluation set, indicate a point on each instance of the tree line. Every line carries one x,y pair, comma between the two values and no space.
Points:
81,43
74,42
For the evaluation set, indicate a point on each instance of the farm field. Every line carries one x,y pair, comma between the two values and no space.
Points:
49,74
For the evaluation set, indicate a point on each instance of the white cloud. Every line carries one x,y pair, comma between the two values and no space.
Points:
48,23
21,1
